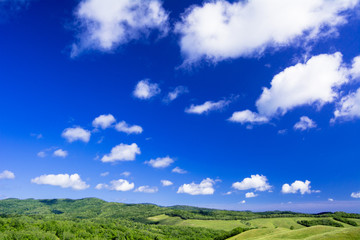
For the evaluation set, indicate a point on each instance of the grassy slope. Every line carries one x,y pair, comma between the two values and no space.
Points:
226,225
267,228
268,232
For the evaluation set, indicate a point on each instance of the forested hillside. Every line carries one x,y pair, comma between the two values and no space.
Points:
92,218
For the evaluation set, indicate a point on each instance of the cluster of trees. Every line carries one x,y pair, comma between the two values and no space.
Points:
325,222
26,227
345,220
93,218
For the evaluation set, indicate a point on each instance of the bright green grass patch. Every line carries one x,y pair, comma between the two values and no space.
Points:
343,234
256,233
309,233
158,218
225,225
277,222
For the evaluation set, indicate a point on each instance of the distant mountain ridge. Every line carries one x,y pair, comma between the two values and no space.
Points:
94,207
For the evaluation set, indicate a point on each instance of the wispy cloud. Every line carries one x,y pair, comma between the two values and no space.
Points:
207,107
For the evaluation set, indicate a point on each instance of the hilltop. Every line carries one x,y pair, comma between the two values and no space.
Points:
92,218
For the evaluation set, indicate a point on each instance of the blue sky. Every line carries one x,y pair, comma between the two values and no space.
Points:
245,105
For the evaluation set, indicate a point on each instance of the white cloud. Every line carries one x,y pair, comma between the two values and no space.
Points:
122,152
355,70
37,135
204,188
6,174
243,202
330,199
257,182
349,107
144,89
219,29
179,90
117,185
104,174
124,127
178,170
60,153
166,183
103,121
62,180
250,195
304,124
125,174
147,189
41,154
207,107
160,162
248,116
282,131
297,186
76,134
313,82
355,195
106,24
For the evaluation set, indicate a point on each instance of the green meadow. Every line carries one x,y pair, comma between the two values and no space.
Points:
93,218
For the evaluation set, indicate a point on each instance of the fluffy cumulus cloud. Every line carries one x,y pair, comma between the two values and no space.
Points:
122,152
60,153
147,189
207,107
257,182
179,170
76,134
6,174
178,91
250,195
124,127
355,70
297,186
348,108
313,82
106,24
166,183
205,187
355,195
219,29
103,121
160,162
145,90
121,185
62,180
304,124
316,82
248,116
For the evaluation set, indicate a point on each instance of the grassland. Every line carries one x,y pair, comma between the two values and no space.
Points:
268,228
92,218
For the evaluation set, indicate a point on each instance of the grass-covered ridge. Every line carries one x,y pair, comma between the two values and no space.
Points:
92,218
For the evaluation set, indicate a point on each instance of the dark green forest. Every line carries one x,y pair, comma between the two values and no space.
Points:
92,218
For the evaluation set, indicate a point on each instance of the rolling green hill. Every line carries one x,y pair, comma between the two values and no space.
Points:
92,218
